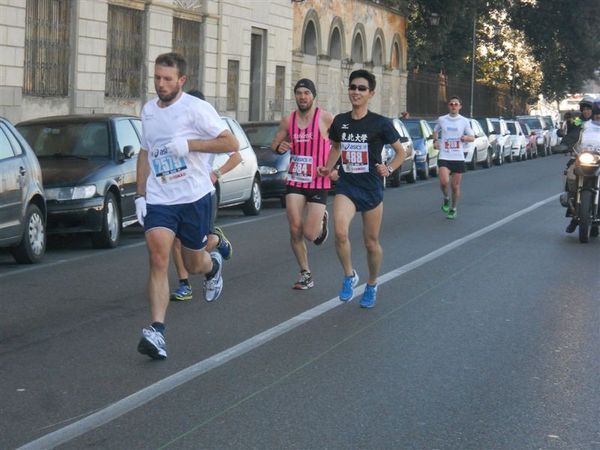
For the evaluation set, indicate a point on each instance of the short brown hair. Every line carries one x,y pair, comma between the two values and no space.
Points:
172,59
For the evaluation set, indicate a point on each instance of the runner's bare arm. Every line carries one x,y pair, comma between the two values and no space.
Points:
280,144
334,155
225,142
326,121
142,171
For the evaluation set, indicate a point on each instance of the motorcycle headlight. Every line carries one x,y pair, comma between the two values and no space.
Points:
267,170
588,159
71,193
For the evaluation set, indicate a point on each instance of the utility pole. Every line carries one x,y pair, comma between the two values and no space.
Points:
473,62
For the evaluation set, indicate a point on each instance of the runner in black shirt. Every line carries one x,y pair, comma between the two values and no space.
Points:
358,137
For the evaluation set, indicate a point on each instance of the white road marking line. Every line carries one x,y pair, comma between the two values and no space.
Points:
139,398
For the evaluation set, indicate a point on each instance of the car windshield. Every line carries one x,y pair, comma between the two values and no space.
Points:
533,123
511,127
483,124
414,129
77,140
260,135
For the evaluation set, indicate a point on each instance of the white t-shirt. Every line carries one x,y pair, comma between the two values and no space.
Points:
452,129
173,180
590,135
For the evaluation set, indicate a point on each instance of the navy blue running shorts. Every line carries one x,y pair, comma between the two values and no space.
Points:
312,195
453,166
363,199
189,221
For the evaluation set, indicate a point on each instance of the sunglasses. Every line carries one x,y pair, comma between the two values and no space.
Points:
454,104
358,87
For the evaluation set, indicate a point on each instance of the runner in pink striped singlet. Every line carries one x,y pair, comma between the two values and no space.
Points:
304,135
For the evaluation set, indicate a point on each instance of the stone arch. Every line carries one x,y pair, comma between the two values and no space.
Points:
396,57
311,34
378,52
358,44
337,45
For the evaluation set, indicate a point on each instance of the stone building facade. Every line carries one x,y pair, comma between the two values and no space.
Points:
85,56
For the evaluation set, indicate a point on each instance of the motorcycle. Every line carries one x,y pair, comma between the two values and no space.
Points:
585,207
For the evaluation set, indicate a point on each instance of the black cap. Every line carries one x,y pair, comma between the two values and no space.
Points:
308,84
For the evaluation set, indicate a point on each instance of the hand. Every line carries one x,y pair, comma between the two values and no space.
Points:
178,147
334,175
323,171
140,209
283,147
382,170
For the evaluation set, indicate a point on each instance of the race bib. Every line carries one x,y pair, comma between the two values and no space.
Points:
355,157
452,144
166,167
301,169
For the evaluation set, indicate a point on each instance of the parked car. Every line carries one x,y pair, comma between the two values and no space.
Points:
552,130
408,170
22,199
537,125
478,151
426,155
89,169
242,185
531,148
518,140
503,143
488,128
272,166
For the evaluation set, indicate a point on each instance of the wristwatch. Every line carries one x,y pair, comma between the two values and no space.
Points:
218,173
390,169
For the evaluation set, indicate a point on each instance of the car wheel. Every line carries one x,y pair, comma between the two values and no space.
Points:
109,235
252,206
473,164
510,158
500,159
424,174
541,150
412,176
32,247
433,171
282,201
488,159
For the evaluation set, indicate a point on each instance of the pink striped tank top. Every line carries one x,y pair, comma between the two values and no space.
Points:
309,151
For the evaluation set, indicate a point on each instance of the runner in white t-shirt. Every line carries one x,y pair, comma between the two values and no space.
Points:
173,198
449,134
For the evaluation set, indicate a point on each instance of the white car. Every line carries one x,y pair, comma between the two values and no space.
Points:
518,140
478,151
502,141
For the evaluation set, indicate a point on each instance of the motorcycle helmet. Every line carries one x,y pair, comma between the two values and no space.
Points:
586,102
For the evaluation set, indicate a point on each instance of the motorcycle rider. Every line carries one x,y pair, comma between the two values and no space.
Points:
588,131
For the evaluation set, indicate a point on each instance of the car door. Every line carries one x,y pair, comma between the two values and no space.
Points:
236,184
126,134
13,170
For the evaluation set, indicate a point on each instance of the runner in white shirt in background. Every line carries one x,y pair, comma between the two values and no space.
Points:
454,130
174,189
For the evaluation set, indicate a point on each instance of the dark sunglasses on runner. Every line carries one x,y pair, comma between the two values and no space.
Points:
358,87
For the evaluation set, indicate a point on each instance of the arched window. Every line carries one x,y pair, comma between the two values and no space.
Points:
378,53
310,39
335,44
357,49
395,56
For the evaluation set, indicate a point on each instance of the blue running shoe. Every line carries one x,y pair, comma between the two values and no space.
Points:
348,286
224,247
369,296
183,293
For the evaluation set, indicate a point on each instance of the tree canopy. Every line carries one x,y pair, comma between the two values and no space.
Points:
532,46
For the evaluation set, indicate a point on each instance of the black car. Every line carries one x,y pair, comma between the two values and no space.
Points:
272,166
22,200
89,170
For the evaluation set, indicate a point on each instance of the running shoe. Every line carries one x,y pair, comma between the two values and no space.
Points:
369,296
214,285
348,286
183,293
452,214
324,230
572,226
224,247
446,205
305,281
153,344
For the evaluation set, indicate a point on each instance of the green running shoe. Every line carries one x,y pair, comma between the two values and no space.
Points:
452,214
446,205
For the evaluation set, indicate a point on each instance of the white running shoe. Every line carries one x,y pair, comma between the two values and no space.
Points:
153,344
214,286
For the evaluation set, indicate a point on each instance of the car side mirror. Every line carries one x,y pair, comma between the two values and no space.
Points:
128,151
403,139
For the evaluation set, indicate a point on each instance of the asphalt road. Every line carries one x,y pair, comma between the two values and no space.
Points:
485,336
